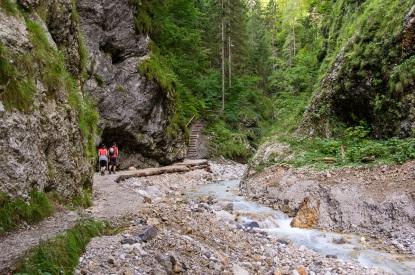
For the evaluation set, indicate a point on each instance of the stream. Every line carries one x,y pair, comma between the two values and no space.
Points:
277,223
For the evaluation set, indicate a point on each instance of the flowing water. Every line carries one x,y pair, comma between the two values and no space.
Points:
277,223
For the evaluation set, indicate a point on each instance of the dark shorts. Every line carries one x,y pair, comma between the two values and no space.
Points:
103,163
113,161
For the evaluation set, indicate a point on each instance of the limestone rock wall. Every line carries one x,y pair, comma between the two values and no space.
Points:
135,112
41,146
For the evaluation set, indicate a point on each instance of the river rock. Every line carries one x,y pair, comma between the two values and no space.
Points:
170,263
129,240
339,241
228,207
238,270
251,225
302,270
148,234
308,214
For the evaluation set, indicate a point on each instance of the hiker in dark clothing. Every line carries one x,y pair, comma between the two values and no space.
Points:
113,154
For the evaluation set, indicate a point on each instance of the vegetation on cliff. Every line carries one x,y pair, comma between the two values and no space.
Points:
278,55
186,62
337,89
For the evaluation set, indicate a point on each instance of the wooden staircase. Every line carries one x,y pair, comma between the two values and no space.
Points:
195,134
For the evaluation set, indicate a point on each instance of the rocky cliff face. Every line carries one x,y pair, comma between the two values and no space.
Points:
46,124
42,146
135,112
371,78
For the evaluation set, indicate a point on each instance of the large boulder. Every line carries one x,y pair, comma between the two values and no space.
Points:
135,112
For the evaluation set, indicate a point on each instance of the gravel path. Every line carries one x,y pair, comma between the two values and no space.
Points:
14,245
112,202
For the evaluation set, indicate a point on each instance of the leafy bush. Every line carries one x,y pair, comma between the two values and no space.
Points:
229,143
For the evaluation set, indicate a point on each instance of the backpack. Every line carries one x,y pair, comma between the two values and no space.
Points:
112,151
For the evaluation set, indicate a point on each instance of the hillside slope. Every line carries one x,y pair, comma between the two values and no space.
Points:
368,70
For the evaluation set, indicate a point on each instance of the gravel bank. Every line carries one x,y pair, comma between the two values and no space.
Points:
171,233
377,201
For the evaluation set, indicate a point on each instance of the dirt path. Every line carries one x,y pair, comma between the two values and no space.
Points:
14,245
112,202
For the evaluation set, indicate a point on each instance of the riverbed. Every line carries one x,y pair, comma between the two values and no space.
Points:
254,216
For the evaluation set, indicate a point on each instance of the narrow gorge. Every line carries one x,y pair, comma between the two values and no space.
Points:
254,137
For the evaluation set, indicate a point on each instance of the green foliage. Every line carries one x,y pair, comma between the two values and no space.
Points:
61,254
288,110
51,62
17,87
83,200
305,47
353,149
88,118
185,62
15,211
402,77
57,79
9,6
369,32
229,143
156,68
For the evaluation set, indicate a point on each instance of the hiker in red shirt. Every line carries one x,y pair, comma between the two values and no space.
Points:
113,154
103,158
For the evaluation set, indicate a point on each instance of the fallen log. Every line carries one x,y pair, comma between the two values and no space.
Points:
191,162
176,168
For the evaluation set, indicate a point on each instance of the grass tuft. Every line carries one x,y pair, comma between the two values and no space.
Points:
9,6
16,211
61,254
156,68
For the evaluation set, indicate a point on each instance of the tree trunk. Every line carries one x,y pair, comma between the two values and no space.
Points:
230,58
223,57
294,45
